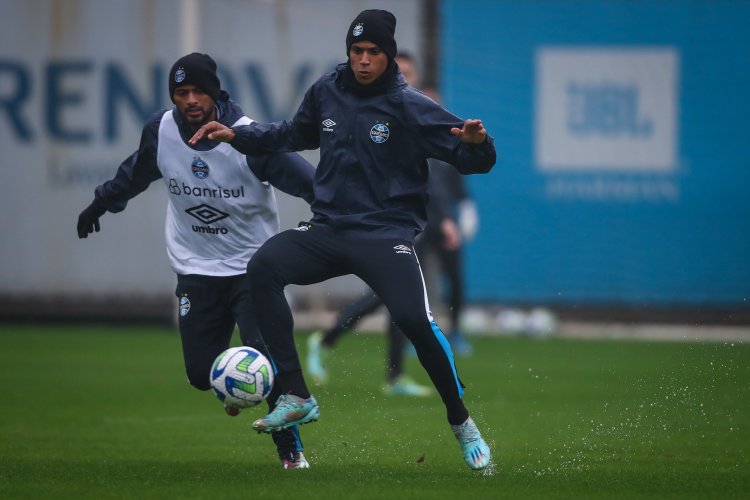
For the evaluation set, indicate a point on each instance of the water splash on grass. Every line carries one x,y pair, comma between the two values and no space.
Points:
490,470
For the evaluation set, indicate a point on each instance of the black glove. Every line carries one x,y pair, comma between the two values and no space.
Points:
88,221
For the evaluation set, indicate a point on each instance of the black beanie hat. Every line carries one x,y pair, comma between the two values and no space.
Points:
195,69
376,26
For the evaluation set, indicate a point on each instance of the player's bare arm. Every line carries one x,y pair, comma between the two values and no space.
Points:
213,131
473,132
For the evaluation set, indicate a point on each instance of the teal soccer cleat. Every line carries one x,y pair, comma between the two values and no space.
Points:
290,410
315,354
405,386
459,345
475,450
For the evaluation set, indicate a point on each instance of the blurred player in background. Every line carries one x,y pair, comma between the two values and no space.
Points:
456,223
375,134
222,208
451,218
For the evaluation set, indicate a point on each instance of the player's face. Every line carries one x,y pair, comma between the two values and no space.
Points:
195,105
368,62
408,70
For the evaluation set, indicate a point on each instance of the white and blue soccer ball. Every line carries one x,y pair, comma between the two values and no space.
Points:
241,377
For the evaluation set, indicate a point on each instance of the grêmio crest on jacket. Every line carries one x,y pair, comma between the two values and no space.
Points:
379,133
199,167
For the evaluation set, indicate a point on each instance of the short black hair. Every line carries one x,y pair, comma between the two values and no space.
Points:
407,56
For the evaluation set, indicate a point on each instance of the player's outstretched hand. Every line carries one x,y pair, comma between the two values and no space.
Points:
472,132
88,220
213,131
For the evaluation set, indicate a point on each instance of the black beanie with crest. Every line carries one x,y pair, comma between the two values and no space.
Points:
195,69
376,26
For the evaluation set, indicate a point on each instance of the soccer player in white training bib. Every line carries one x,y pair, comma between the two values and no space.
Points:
222,208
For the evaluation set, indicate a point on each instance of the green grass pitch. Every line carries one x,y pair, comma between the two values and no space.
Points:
106,412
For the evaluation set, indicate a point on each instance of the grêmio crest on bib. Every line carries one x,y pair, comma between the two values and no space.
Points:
199,167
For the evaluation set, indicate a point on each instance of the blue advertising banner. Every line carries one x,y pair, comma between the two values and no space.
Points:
623,174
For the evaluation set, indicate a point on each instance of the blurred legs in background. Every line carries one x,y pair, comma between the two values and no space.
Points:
320,345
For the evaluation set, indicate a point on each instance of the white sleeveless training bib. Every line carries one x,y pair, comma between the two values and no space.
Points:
219,212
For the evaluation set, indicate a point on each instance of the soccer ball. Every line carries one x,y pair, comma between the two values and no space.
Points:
241,377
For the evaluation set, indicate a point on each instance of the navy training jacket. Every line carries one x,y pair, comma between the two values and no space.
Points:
372,177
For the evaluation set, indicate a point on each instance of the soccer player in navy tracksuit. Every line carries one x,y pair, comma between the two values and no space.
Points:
375,134
451,215
221,209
